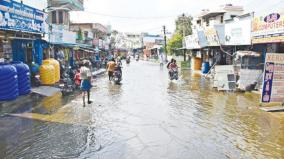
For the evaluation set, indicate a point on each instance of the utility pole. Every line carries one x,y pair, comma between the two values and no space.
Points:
183,35
165,42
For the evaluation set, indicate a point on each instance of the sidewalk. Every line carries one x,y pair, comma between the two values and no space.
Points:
28,102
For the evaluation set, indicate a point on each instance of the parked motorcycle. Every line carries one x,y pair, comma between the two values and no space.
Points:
36,80
174,74
67,84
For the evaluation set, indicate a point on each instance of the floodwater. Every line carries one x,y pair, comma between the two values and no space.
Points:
147,117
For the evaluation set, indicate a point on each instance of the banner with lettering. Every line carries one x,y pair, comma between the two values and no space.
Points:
273,80
268,28
19,17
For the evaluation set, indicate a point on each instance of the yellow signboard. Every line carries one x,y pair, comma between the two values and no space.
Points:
268,29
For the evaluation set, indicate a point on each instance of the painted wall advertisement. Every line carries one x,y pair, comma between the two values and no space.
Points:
192,41
268,29
238,32
211,36
17,16
273,80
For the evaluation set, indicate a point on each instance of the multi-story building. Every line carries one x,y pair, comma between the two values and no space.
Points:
219,16
133,41
93,34
59,19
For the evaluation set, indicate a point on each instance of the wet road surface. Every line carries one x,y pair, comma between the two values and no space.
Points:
147,117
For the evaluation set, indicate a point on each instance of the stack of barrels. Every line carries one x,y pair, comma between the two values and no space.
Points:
14,80
49,72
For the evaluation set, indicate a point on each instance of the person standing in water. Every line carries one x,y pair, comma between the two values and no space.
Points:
86,85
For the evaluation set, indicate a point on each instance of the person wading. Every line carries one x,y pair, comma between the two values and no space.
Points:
110,68
86,85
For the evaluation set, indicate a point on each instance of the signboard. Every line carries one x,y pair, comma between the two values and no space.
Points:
248,78
273,79
268,29
202,38
211,36
20,17
238,32
60,34
224,78
192,41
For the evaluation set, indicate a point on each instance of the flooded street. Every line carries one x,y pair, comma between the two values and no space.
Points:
147,117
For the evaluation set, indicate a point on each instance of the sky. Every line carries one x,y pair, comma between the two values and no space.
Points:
150,15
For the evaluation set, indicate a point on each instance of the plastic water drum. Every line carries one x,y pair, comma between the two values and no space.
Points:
24,80
47,73
56,65
205,67
196,63
8,82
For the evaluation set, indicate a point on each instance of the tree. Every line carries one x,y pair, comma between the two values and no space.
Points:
174,43
80,35
183,23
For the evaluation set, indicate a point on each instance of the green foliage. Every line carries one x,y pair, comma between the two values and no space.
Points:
80,34
174,43
183,22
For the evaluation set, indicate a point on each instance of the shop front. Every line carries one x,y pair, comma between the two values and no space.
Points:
268,32
21,29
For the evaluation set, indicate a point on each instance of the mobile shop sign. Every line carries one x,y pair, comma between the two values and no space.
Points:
273,80
20,17
268,29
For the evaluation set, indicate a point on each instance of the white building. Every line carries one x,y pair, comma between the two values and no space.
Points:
218,16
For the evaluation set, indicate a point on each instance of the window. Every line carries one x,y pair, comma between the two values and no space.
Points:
222,19
60,17
53,17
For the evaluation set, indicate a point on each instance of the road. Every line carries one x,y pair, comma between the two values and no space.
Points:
146,117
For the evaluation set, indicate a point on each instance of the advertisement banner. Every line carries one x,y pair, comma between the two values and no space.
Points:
19,17
192,41
238,32
60,34
273,79
268,29
211,36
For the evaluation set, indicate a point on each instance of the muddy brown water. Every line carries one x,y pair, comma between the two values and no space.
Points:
150,117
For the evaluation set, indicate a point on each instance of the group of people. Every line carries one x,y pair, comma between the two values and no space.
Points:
83,76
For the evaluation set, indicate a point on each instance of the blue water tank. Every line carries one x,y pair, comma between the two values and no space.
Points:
205,67
24,80
8,82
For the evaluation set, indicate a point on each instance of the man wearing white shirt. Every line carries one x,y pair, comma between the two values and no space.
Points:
86,75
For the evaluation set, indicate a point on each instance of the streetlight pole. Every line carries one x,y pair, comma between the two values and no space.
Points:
183,35
165,42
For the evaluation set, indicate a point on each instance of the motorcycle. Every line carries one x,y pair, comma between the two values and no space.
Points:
117,76
128,61
36,80
174,74
137,58
67,84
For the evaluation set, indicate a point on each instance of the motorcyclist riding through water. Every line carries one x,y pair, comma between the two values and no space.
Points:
173,70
